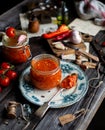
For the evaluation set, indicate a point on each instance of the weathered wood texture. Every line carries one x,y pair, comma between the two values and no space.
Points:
90,101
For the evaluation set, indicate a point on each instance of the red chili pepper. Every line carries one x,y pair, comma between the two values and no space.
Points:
103,44
62,29
62,36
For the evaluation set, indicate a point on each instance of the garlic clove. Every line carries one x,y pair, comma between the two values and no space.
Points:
59,45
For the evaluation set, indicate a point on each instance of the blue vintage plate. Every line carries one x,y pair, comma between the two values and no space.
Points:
65,98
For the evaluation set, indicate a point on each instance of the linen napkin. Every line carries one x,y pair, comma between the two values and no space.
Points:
91,9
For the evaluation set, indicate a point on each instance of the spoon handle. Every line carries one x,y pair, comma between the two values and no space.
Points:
40,112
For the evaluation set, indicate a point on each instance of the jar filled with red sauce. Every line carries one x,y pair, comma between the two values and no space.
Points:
17,55
13,52
45,71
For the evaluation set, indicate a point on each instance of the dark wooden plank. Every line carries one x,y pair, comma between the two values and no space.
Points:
11,17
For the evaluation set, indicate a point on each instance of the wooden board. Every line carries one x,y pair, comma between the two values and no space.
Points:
67,51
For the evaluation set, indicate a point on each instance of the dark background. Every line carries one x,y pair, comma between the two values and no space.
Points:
98,122
7,4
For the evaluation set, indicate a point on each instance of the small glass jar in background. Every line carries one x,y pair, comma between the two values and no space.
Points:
45,72
34,24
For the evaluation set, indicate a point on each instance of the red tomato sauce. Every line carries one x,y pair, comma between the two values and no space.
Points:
51,76
45,65
70,81
17,55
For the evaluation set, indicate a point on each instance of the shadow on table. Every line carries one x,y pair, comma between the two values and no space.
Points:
98,122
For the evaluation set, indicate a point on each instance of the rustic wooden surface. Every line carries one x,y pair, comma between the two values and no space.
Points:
69,50
91,101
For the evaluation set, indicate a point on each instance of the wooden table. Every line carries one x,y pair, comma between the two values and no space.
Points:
91,101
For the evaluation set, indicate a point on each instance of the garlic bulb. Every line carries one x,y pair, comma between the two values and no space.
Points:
75,37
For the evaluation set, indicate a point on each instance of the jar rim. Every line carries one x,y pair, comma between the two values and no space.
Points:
41,56
5,38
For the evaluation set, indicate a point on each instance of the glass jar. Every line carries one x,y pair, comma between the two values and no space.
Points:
15,53
45,71
34,24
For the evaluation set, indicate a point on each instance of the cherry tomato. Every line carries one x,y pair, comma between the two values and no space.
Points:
10,32
4,81
11,74
2,71
5,65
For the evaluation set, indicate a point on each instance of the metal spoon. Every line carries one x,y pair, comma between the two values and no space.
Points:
40,112
43,109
